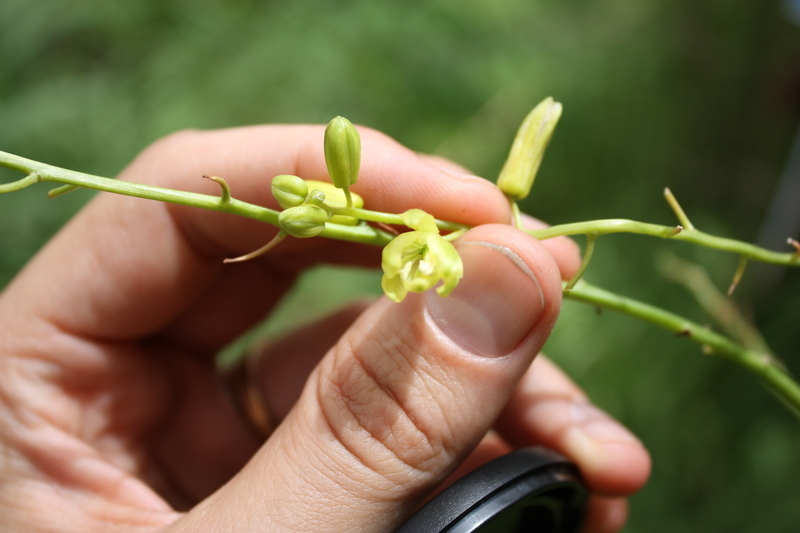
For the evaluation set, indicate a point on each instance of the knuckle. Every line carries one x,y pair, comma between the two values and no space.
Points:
384,411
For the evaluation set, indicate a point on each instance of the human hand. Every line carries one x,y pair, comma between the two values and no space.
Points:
113,417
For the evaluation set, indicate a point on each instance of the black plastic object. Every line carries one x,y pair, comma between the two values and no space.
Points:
530,490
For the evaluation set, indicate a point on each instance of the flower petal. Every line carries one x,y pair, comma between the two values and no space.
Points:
394,254
419,220
393,288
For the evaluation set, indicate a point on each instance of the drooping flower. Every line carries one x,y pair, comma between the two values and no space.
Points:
418,260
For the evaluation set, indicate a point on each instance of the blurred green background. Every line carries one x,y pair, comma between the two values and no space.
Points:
698,95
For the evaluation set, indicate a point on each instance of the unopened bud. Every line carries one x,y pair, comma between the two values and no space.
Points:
342,152
336,199
303,221
526,153
290,191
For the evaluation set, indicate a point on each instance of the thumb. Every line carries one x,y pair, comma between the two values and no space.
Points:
402,398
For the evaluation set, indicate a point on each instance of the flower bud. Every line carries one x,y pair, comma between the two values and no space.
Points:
528,148
335,198
317,197
290,191
303,221
342,152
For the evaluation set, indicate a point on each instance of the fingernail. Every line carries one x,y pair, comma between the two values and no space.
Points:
594,429
495,305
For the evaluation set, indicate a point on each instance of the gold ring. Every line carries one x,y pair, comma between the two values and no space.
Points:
243,381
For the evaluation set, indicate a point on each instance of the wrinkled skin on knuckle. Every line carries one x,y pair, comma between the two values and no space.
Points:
383,404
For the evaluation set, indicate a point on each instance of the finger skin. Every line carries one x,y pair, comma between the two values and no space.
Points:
606,515
548,408
286,362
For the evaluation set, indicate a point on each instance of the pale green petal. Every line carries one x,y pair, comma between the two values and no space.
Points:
447,286
450,267
394,254
393,288
444,255
419,220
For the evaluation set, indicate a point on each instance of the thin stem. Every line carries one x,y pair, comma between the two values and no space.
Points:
18,185
264,249
515,213
607,226
676,207
61,191
762,365
587,256
392,218
737,276
348,198
454,235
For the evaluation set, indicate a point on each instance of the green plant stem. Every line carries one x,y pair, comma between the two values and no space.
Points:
392,218
38,172
516,214
761,364
604,227
587,256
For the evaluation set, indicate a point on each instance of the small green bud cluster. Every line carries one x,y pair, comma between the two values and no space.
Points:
308,205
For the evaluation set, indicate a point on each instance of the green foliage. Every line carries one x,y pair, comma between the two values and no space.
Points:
699,96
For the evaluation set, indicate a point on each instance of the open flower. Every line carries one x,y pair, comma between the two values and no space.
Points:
417,260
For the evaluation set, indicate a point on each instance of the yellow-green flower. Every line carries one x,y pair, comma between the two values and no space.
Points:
417,260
